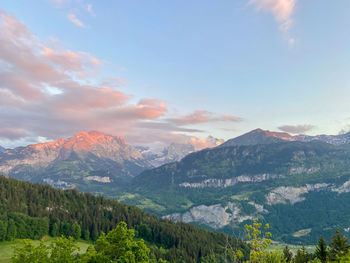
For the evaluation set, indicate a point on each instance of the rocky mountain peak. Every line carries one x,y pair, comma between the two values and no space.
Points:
281,135
82,141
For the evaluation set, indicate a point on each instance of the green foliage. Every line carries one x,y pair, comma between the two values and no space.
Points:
321,250
119,245
76,230
302,256
343,259
287,254
54,230
258,241
27,252
61,250
275,256
17,225
338,246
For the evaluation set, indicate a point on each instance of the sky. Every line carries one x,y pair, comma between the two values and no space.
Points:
157,72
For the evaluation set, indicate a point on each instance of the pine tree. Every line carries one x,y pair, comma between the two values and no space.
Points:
3,230
301,256
54,230
338,245
288,255
76,230
321,250
11,230
86,234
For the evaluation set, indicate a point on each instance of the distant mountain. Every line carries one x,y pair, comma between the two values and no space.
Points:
176,151
87,158
259,136
2,149
301,188
332,139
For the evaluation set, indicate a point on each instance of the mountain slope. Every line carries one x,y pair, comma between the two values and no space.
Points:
86,158
96,214
285,183
2,149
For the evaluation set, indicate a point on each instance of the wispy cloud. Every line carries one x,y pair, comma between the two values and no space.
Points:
202,116
90,10
76,21
282,10
296,129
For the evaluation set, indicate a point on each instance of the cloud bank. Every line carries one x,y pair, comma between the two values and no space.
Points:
296,129
48,92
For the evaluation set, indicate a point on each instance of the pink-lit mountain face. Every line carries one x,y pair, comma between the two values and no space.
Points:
98,143
86,157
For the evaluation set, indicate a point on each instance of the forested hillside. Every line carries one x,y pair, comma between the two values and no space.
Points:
33,210
301,188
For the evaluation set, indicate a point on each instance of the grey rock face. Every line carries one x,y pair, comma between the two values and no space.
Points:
216,216
223,183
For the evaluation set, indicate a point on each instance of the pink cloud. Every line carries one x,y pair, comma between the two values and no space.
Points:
66,59
228,117
48,92
208,142
202,116
21,88
282,10
150,108
76,21
199,116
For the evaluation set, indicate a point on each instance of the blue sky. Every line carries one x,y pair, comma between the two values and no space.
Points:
273,64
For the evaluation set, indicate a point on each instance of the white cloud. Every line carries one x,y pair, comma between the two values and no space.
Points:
72,17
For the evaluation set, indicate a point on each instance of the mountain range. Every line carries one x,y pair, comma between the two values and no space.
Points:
88,161
259,136
172,153
85,158
299,184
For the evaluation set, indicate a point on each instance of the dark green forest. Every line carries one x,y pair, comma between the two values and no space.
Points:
34,210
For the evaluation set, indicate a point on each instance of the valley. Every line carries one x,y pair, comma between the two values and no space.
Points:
289,183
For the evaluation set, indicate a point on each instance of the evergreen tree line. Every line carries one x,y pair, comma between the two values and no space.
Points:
17,225
338,250
83,215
